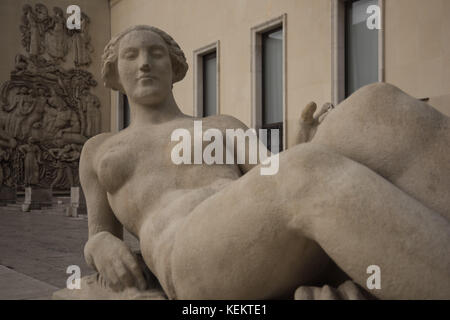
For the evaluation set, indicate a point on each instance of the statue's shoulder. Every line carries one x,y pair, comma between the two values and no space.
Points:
224,121
92,145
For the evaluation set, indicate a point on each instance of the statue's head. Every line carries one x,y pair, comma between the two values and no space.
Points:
41,11
27,8
143,62
58,12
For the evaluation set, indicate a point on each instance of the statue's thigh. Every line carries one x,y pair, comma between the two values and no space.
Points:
238,244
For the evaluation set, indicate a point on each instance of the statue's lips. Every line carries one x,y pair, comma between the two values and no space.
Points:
147,77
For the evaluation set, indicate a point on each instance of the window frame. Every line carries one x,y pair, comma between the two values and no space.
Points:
338,48
198,77
256,68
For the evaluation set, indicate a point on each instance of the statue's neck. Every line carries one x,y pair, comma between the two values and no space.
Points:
164,111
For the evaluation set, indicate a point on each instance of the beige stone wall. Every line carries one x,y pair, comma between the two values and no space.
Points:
418,49
196,23
99,29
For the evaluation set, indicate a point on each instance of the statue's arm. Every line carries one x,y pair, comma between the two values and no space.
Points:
230,122
100,215
105,250
101,218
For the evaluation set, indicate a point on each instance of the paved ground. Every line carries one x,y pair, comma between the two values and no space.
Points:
17,286
41,245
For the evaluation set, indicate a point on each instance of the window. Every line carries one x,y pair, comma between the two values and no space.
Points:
209,84
126,112
206,80
268,79
123,117
361,46
272,84
358,52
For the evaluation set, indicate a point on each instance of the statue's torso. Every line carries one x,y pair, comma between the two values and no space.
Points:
144,186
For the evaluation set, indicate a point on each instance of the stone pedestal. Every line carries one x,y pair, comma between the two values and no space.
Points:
77,203
37,198
7,195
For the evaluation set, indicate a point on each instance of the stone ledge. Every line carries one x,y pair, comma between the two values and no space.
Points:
92,289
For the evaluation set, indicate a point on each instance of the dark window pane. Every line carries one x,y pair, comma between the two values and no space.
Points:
361,46
126,112
274,126
209,84
272,83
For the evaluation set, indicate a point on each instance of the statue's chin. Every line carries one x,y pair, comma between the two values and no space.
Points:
149,96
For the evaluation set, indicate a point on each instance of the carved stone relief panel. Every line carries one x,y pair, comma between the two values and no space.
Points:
47,111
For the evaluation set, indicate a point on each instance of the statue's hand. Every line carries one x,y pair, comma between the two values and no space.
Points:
114,261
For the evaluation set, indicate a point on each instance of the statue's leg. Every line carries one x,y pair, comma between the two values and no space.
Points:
401,138
250,239
360,219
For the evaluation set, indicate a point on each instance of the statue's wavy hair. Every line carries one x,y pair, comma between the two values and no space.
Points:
110,57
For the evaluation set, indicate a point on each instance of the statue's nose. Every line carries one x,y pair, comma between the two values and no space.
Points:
145,66
145,61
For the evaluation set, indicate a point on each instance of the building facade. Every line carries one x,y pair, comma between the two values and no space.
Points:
262,61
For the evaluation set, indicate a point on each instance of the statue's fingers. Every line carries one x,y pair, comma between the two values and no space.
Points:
113,279
328,293
124,275
316,293
351,291
133,266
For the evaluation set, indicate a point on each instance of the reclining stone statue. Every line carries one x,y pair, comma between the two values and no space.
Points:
370,188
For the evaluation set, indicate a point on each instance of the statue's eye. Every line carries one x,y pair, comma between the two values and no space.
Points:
158,53
130,54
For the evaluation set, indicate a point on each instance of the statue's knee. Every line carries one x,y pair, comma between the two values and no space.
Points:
377,91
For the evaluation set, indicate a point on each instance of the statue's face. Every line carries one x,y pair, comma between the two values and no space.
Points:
144,67
41,12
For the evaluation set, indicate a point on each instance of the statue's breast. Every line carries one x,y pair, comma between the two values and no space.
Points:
115,164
